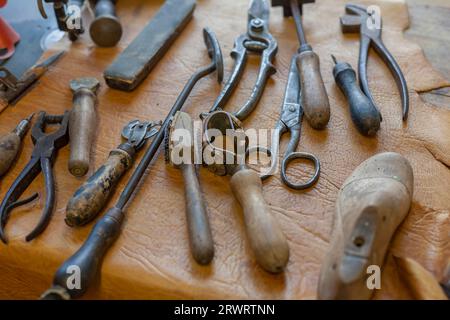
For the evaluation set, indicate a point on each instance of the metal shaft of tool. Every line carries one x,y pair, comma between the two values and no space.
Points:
150,153
298,22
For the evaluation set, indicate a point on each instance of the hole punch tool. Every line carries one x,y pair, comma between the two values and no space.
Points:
257,40
360,19
92,196
314,97
290,121
42,159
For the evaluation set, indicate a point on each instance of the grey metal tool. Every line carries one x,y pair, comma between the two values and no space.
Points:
257,40
10,144
364,113
106,29
12,89
359,19
92,196
126,72
83,124
90,256
314,98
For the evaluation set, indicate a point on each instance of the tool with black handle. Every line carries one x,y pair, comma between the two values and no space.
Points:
364,113
92,196
90,256
314,98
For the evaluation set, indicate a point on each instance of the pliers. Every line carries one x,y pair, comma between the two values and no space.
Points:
368,23
42,159
258,40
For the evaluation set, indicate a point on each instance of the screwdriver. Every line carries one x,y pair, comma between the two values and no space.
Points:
364,113
314,97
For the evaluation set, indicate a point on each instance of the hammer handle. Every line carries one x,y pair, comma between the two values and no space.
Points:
83,120
266,238
314,96
92,196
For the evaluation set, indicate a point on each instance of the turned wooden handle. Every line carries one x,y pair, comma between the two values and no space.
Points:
92,196
9,147
82,127
200,236
314,96
266,238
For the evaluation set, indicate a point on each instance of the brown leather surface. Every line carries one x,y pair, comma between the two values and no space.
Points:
151,259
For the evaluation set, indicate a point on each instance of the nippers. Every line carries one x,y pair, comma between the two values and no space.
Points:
361,19
258,40
42,159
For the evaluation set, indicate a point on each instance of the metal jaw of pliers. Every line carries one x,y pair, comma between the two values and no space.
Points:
361,19
42,159
257,40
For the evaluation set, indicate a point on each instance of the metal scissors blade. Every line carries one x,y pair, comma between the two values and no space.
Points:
291,110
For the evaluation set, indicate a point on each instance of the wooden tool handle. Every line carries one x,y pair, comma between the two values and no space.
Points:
87,261
314,96
200,237
92,196
365,115
82,129
9,147
266,238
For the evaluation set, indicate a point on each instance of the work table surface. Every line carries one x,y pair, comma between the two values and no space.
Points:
151,258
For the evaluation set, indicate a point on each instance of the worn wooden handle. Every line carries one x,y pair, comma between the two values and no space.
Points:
87,261
314,96
266,238
82,129
92,196
200,236
9,147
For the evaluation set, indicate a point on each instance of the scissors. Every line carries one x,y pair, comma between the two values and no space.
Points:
290,121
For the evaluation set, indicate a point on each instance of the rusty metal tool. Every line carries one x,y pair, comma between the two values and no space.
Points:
82,124
89,257
10,144
360,19
290,121
314,96
256,40
201,241
68,16
92,196
364,113
126,72
42,159
13,89
370,206
106,29
265,235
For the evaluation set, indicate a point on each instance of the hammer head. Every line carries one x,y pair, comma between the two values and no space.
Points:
286,4
91,84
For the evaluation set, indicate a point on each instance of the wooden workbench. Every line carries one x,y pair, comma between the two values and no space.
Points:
151,259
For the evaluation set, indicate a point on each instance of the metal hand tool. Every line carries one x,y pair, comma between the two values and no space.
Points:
10,144
83,124
290,121
266,238
66,13
359,19
89,257
12,89
42,159
314,98
106,29
257,40
365,115
92,196
202,245
127,72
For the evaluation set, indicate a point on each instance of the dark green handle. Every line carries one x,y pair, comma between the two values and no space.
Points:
87,261
365,115
92,196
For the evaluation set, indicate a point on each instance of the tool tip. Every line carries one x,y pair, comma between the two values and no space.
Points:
334,59
30,117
